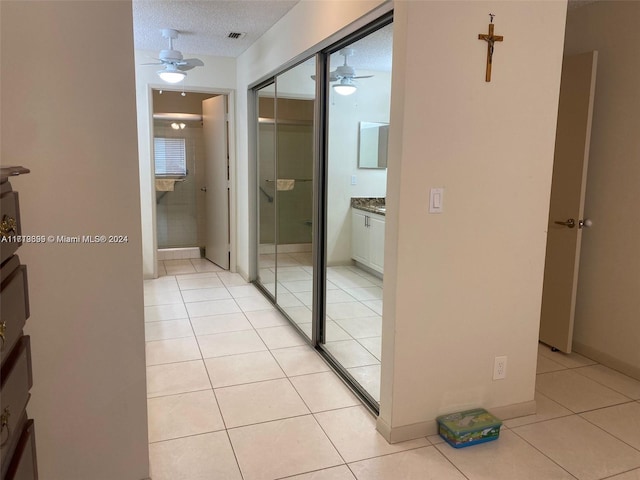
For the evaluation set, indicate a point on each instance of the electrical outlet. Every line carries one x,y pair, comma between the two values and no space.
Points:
500,368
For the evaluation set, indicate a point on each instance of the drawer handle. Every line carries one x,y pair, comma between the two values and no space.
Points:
3,331
8,225
4,423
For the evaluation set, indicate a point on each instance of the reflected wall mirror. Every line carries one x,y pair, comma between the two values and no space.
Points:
373,139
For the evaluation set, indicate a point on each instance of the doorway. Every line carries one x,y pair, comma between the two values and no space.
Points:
191,176
568,189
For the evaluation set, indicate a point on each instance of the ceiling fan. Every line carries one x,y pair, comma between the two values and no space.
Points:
345,74
174,64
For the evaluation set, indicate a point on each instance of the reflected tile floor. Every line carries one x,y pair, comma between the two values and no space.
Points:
354,311
234,394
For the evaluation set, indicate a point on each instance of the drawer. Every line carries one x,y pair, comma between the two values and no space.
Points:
14,394
23,465
9,224
10,445
14,307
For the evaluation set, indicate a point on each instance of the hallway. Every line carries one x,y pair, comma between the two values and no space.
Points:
235,393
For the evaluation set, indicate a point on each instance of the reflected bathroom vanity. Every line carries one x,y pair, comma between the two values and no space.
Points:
367,232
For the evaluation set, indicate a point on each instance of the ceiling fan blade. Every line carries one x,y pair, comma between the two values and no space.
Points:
189,63
363,76
158,63
332,77
194,62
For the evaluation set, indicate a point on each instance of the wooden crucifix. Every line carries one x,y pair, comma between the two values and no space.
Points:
490,39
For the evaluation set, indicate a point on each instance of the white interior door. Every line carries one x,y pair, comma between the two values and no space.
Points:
214,126
567,200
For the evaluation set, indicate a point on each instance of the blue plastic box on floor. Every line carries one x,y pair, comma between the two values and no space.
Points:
463,429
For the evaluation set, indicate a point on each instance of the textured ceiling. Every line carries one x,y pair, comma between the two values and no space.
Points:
205,24
372,52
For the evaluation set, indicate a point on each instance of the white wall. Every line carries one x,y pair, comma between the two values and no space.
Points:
68,114
464,286
218,75
606,324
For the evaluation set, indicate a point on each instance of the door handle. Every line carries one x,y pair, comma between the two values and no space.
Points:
569,223
585,222
204,189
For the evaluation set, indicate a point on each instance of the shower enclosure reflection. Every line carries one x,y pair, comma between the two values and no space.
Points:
285,192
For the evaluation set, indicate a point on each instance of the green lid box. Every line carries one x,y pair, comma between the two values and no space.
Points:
463,429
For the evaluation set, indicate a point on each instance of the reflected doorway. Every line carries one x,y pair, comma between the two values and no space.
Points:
190,151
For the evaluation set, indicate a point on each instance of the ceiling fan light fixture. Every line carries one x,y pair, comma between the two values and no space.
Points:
171,74
345,87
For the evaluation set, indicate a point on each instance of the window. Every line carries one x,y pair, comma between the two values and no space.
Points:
170,157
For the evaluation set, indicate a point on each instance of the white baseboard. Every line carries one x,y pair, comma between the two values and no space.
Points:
285,248
178,253
607,360
425,429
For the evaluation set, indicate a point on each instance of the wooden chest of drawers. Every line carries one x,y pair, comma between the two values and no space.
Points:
9,222
17,434
14,308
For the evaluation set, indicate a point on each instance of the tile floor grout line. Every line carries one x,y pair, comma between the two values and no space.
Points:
608,432
329,438
173,363
603,384
272,420
605,407
179,393
621,473
542,453
199,434
208,374
235,455
435,446
311,471
224,422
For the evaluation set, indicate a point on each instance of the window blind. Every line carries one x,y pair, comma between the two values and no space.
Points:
170,156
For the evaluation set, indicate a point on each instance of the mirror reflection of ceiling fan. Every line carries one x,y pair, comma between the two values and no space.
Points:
345,75
174,65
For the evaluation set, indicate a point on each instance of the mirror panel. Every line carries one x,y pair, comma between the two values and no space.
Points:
353,309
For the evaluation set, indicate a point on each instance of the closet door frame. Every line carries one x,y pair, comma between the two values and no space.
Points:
367,25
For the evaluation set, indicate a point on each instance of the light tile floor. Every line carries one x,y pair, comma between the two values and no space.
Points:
233,394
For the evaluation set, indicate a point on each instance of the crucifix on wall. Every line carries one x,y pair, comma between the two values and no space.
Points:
490,39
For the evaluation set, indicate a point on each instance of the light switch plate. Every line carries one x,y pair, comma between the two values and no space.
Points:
436,200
